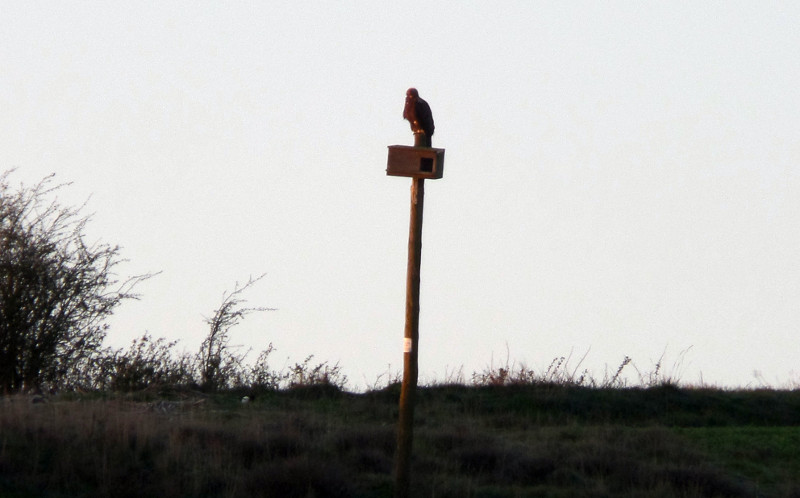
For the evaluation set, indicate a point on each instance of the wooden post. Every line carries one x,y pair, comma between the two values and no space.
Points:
405,427
418,162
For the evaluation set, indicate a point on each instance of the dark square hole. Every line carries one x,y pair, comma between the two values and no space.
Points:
426,164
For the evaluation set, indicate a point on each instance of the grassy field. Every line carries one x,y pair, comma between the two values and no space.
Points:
546,440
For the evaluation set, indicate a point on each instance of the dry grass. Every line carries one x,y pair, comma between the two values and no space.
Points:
493,441
120,448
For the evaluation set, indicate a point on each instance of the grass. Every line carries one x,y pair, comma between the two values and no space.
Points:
768,456
470,441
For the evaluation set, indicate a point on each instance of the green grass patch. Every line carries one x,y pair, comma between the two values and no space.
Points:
766,456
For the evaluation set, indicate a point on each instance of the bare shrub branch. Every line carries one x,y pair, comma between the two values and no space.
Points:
220,365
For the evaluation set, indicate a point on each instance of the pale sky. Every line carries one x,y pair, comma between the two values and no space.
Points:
620,177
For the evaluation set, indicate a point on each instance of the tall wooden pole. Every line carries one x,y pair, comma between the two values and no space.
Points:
405,428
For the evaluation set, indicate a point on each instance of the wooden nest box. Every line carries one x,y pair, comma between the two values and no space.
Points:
416,162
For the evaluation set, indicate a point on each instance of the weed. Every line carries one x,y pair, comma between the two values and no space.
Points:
306,374
557,373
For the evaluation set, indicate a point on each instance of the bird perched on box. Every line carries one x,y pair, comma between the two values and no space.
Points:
418,113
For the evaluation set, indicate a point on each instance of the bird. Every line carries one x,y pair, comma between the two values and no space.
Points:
418,113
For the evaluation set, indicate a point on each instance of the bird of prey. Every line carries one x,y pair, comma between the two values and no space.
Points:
418,113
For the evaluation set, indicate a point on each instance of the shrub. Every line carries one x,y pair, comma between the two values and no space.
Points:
219,365
149,362
56,290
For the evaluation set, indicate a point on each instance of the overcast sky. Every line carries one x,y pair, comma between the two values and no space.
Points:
621,178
